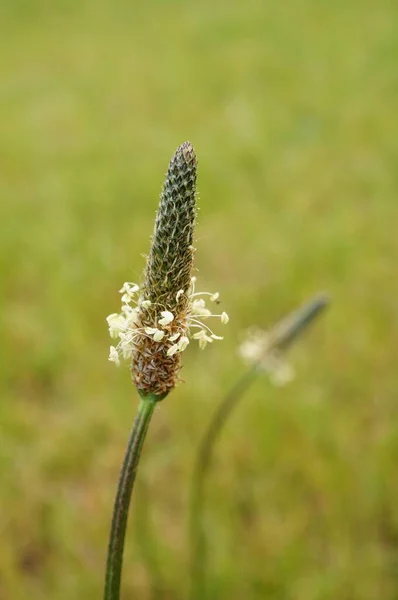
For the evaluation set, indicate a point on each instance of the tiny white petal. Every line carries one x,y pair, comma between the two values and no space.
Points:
174,337
203,338
199,335
114,356
215,297
146,303
129,287
199,302
111,317
127,351
193,279
158,335
117,323
279,371
224,318
126,298
167,317
132,317
126,309
114,332
179,293
172,350
199,308
183,343
150,330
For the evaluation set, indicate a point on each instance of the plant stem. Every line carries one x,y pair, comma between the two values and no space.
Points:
201,469
282,336
123,496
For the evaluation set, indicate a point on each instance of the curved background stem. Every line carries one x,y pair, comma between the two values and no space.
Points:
281,337
202,465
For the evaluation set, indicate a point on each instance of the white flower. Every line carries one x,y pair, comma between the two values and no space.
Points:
197,304
176,329
116,324
252,349
199,308
257,348
174,337
155,333
126,309
281,373
113,319
167,318
131,317
172,350
203,338
180,346
126,298
151,330
127,349
183,343
158,336
114,355
129,288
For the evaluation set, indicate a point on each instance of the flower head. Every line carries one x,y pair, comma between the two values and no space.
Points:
158,317
266,349
172,330
257,349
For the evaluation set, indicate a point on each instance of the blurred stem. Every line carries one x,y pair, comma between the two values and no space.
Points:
281,337
201,468
123,496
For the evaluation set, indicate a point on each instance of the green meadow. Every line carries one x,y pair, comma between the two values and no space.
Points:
292,108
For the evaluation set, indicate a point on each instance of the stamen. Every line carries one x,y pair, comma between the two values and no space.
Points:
215,296
201,325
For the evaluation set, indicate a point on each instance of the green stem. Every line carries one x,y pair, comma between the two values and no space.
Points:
201,469
282,335
122,502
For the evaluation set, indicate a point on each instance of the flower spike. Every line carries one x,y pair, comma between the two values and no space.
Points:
156,318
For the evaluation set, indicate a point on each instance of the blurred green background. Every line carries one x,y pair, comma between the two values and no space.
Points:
292,108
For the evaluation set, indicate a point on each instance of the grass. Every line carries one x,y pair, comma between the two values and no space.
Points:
292,110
